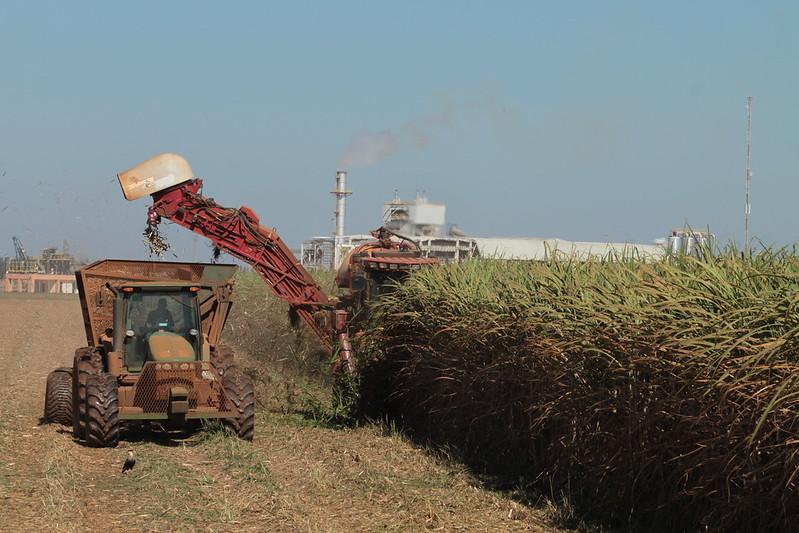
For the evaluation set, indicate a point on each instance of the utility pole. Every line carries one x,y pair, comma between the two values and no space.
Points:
748,172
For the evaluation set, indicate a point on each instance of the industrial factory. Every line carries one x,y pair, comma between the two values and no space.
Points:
419,220
51,273
424,222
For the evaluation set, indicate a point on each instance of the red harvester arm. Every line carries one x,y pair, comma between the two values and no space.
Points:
238,232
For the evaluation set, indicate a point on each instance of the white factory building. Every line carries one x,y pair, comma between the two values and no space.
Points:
425,223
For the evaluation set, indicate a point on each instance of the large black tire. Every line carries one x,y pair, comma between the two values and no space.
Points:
241,399
87,361
221,358
102,411
58,397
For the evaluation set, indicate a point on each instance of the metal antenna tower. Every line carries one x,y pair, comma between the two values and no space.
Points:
748,172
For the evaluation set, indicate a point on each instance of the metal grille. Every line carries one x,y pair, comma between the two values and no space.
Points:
156,380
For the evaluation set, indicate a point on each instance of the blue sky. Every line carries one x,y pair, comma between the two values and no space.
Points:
586,121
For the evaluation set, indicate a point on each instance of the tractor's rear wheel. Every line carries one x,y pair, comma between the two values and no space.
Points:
102,410
87,361
58,396
241,399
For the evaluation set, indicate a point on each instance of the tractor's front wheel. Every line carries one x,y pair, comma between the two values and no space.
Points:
102,410
58,396
241,399
221,358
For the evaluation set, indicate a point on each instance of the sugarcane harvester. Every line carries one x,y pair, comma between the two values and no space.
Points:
365,272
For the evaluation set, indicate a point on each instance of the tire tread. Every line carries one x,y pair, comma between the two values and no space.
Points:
102,411
58,397
241,399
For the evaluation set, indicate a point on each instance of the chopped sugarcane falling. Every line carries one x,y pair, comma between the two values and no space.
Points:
156,243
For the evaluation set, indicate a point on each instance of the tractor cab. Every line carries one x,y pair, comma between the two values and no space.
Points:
161,323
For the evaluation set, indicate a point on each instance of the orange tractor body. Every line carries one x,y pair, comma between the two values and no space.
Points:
153,351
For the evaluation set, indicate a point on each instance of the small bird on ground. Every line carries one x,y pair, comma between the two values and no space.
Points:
130,462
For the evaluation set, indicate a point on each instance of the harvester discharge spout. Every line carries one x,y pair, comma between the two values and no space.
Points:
154,175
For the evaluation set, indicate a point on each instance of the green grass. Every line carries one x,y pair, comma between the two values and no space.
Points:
238,457
217,480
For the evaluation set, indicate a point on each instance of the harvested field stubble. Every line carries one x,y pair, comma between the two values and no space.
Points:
660,395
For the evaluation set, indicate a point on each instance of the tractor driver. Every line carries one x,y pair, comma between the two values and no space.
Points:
160,317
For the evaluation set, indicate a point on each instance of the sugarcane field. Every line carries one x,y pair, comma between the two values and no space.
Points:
356,267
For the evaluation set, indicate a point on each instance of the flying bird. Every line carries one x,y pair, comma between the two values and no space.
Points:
130,462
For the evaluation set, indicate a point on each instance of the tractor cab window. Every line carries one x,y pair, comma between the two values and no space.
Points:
163,314
160,317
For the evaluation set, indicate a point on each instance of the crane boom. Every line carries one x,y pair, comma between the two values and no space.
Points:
19,250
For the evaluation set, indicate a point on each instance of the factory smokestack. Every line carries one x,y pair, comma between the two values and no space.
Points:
341,194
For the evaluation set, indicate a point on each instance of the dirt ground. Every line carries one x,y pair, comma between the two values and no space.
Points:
295,476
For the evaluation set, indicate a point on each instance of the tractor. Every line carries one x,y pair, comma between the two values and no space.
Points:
154,354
